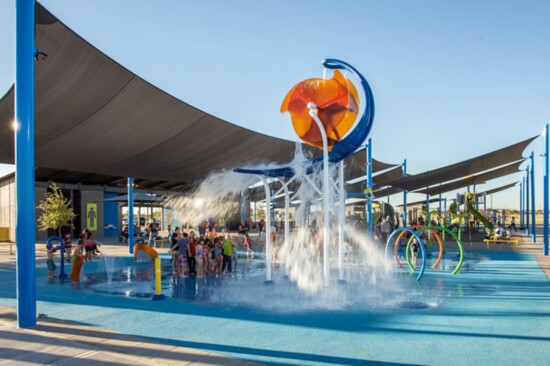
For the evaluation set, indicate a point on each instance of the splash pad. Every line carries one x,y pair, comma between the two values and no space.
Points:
327,264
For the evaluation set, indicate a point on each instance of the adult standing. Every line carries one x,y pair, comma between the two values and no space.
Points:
513,224
227,254
191,253
153,230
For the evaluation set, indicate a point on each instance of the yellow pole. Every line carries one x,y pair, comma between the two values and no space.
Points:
158,276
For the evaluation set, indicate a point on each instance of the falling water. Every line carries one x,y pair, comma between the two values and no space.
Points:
109,263
300,257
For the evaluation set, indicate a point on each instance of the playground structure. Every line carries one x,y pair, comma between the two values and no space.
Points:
323,113
471,200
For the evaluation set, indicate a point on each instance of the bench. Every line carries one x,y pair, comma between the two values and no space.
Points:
11,246
513,241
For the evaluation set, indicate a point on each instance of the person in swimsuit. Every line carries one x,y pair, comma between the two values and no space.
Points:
89,246
414,248
77,261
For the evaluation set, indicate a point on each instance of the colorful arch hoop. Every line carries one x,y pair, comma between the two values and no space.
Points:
458,242
422,248
419,231
409,229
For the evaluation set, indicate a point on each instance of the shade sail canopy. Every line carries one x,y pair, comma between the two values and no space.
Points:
432,200
94,116
501,188
474,179
386,191
465,168
138,197
97,123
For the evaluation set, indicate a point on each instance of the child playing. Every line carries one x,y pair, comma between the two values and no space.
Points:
414,248
51,265
90,247
175,248
248,243
184,244
77,261
68,246
198,258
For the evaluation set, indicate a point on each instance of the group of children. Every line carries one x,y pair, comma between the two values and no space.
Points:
86,248
206,254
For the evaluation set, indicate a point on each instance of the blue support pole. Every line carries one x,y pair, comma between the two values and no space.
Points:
533,209
369,186
440,204
131,215
405,194
475,194
25,225
527,227
485,204
243,207
521,203
546,151
427,210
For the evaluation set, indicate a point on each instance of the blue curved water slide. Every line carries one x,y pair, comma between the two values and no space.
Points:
341,149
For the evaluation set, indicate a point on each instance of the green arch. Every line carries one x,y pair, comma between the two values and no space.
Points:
458,241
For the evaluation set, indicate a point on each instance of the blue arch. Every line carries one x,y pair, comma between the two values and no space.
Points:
422,247
62,274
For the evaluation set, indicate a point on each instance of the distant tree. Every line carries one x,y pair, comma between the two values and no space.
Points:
56,211
260,214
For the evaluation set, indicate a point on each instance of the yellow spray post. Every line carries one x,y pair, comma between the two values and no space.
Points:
158,275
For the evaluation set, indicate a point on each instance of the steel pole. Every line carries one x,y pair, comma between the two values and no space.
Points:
326,222
131,215
287,218
369,186
546,151
342,221
428,210
521,204
25,224
267,231
527,226
405,194
533,209
243,207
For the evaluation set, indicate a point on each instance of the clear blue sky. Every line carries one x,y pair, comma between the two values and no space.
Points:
451,79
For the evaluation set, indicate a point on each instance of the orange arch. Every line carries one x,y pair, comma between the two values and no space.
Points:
422,228
147,249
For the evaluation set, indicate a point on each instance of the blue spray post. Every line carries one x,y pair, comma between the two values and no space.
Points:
25,224
131,215
61,248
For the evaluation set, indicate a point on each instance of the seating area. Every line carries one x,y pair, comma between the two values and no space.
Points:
11,245
493,239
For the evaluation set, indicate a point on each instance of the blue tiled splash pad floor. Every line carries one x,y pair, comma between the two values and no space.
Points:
495,312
